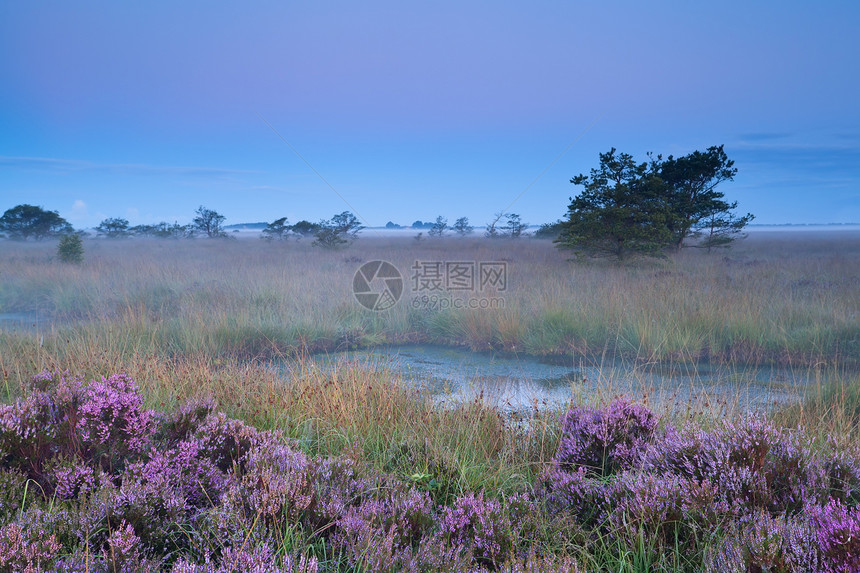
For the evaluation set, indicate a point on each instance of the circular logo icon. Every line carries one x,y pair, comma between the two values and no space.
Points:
377,285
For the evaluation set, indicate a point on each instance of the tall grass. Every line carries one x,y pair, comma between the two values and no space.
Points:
788,300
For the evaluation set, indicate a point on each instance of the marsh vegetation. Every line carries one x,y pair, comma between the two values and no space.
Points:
148,428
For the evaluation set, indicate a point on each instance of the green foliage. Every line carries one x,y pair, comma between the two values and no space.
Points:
513,227
698,210
71,249
549,230
209,223
24,221
337,232
163,230
277,230
305,228
629,208
462,227
620,213
114,228
439,227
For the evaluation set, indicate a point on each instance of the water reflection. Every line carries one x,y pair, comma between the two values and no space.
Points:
517,384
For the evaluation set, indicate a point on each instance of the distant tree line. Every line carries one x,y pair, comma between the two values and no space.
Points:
626,208
24,222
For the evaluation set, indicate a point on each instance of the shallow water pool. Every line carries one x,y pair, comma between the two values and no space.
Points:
518,384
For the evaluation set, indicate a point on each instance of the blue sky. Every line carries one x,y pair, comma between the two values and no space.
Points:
413,110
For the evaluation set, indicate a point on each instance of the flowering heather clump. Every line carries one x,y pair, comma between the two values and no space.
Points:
101,423
542,564
374,550
123,548
400,521
225,441
605,441
572,494
279,483
184,422
750,464
645,507
12,485
184,469
837,529
761,542
73,479
258,560
843,476
112,418
42,425
480,524
26,551
342,484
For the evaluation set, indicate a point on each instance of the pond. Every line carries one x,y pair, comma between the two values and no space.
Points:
519,384
28,322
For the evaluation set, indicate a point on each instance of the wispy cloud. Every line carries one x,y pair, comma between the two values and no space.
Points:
800,155
763,136
78,165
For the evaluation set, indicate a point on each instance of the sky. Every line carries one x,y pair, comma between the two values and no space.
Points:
402,111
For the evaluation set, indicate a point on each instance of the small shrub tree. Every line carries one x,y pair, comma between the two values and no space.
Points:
493,231
628,208
337,232
514,227
209,223
462,227
277,230
439,227
71,249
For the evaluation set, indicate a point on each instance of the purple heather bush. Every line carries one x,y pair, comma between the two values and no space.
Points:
753,465
257,560
42,425
605,441
644,507
762,542
226,442
112,422
72,478
837,529
572,494
399,521
279,483
480,524
843,476
26,550
91,481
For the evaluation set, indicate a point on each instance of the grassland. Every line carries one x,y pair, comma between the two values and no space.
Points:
771,299
202,319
